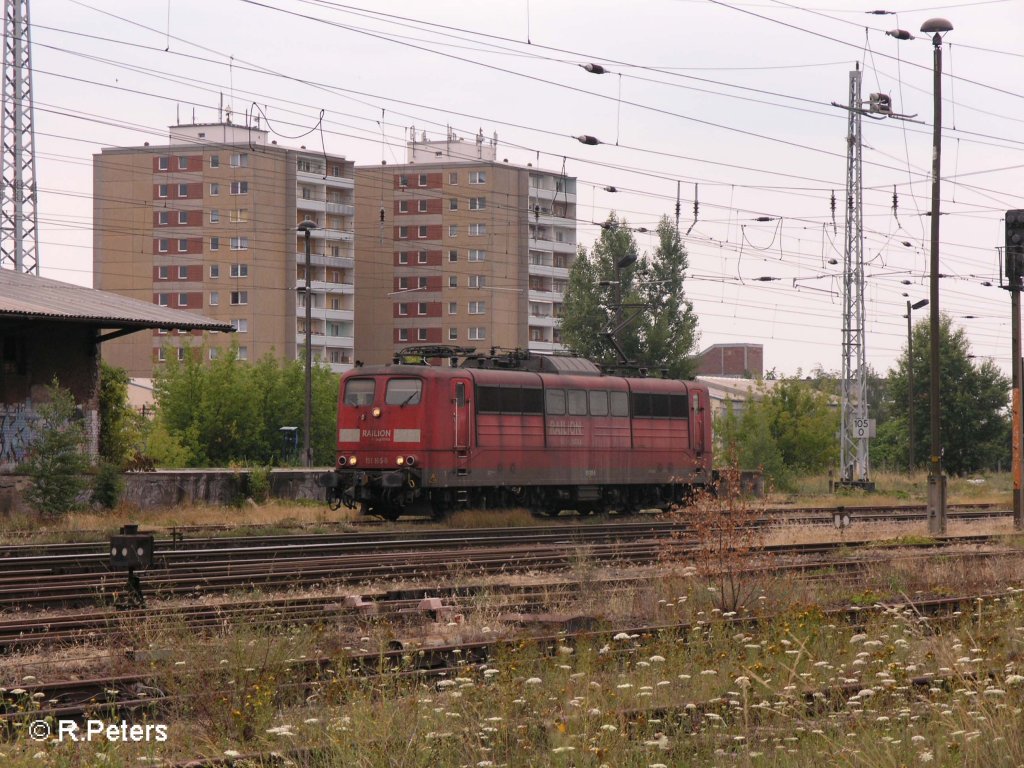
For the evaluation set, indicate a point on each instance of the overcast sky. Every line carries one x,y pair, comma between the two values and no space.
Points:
732,100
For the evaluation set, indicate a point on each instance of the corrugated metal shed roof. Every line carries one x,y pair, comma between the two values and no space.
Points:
29,296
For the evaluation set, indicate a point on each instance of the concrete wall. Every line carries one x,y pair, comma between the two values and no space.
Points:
169,488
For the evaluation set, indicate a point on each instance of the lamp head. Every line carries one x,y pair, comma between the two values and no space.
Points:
936,26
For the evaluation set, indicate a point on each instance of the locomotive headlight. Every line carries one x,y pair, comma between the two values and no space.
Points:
410,460
376,413
351,461
399,461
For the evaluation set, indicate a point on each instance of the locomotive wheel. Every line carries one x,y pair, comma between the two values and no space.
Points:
390,513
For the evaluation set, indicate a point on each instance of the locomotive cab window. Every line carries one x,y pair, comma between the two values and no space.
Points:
403,392
598,403
523,400
359,392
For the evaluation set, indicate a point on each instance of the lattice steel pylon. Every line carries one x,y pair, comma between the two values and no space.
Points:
19,249
854,425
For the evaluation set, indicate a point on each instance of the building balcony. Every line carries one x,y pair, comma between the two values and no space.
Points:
316,178
320,260
341,209
542,321
563,247
543,193
548,271
545,346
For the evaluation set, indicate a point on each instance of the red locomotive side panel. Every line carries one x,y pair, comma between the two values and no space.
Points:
433,438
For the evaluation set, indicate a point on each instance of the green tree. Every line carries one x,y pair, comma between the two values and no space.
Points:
230,411
56,458
973,403
120,425
784,430
663,330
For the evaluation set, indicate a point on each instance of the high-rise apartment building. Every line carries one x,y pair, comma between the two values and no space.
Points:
208,222
454,247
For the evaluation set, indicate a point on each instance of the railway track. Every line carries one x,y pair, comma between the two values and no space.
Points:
308,561
815,561
125,694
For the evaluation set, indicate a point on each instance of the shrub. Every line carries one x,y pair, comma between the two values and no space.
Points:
56,458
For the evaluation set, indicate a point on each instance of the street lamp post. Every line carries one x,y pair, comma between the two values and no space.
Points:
910,376
936,479
307,450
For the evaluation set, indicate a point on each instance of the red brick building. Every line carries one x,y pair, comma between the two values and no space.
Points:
739,360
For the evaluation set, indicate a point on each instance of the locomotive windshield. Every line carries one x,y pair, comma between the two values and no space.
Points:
403,391
359,392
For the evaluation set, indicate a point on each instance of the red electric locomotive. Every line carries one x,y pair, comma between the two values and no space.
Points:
544,432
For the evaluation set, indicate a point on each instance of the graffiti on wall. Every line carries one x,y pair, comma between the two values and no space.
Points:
16,430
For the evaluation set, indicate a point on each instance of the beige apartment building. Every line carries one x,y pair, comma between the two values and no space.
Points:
454,247
208,223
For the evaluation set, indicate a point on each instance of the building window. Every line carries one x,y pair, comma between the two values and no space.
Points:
453,255
161,190
161,355
182,245
477,307
453,334
239,160
335,170
181,354
214,243
214,353
163,299
403,334
477,229
403,310
241,325
239,243
182,217
243,353
239,215
183,190
403,233
477,177
453,281
163,163
453,177
239,297
453,230
214,298
422,283
421,308
421,258
476,281
477,334
214,271
239,270
403,257
477,203
162,273
239,187
215,161
403,283
423,206
182,299
423,180
182,273
453,307
453,204
421,232
476,255
163,218
163,245
214,216
403,180
182,163
214,189
403,206
421,334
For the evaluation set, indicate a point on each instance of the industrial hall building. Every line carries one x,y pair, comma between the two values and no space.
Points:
207,222
452,247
